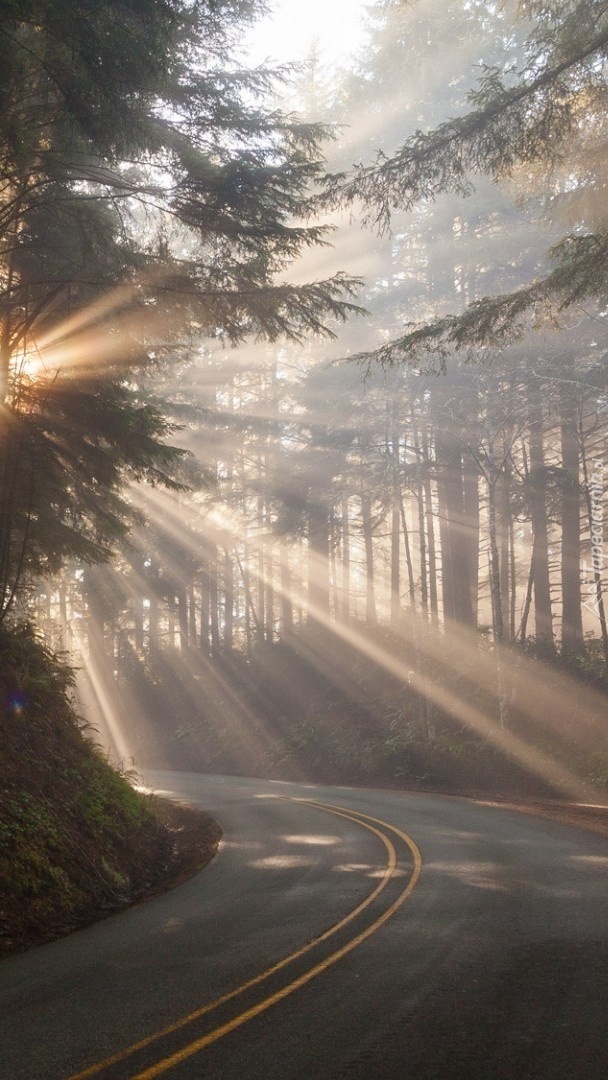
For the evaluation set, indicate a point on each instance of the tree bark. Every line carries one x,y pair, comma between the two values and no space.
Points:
573,641
457,530
346,606
318,560
430,529
371,617
543,614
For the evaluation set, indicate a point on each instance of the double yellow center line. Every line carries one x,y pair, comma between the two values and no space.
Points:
373,825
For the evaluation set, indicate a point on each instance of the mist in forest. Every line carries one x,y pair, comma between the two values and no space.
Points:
378,566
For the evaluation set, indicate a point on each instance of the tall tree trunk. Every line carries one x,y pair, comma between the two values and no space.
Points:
228,601
368,540
430,529
250,612
525,614
543,614
395,561
503,538
455,529
572,617
469,529
261,569
495,589
512,579
411,581
393,456
269,592
345,560
594,499
318,560
422,553
192,631
214,614
286,604
182,615
205,604
171,620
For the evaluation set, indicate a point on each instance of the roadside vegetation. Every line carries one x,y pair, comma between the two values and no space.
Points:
76,840
319,709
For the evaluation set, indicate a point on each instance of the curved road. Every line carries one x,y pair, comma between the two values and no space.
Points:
339,933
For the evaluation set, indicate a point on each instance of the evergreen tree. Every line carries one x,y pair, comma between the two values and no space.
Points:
146,194
538,123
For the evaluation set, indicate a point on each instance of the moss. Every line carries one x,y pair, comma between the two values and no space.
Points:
74,834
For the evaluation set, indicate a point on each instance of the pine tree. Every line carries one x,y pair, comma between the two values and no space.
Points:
146,195
538,123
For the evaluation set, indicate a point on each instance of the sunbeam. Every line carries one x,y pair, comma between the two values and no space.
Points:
361,546
455,648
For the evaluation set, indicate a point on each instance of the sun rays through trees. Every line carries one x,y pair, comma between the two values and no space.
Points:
306,459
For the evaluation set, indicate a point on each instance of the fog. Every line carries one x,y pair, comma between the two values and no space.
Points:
371,563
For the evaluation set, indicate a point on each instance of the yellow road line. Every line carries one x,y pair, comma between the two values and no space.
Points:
378,821
121,1055
213,1036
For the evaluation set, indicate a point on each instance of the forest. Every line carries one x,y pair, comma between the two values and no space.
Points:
304,387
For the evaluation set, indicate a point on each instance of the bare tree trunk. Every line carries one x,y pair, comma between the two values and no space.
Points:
469,528
261,569
395,553
228,601
371,617
248,602
503,538
420,491
182,616
286,604
269,593
393,455
345,560
543,614
411,582
192,631
334,587
523,626
250,612
495,589
205,604
572,616
456,560
513,580
424,593
318,560
214,615
171,620
430,529
595,600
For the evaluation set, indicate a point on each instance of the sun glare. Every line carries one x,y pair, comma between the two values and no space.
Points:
334,28
29,364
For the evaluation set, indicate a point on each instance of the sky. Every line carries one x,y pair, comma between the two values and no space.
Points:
293,26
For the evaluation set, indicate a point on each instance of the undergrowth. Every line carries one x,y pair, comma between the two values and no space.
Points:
74,834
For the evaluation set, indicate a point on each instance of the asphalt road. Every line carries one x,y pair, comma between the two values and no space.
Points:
339,934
